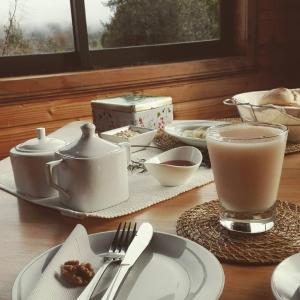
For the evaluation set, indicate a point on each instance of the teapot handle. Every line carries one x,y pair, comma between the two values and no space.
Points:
126,146
49,167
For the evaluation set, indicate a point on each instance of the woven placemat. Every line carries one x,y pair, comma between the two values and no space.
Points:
292,148
201,224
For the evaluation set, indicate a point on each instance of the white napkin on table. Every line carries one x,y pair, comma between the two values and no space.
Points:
75,247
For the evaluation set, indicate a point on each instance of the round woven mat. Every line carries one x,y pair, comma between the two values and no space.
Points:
201,225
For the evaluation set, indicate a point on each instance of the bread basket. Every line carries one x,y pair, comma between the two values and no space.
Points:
250,111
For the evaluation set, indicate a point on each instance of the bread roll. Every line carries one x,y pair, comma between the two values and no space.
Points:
200,133
187,133
280,96
297,98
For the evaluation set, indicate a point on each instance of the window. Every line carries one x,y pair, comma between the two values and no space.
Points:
39,37
26,29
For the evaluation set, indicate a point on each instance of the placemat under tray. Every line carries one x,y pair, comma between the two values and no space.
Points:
201,224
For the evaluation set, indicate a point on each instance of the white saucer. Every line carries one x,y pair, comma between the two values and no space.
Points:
285,280
171,268
176,129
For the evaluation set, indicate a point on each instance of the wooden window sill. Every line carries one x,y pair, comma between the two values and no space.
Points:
120,79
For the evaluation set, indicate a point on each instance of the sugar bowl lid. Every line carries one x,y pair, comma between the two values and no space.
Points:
41,143
89,145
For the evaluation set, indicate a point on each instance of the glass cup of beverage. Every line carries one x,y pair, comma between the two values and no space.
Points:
246,160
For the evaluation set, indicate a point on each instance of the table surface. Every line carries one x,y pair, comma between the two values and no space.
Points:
28,229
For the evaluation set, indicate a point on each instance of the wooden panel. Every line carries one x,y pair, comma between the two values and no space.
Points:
281,54
217,87
32,112
265,6
278,31
204,109
27,112
113,80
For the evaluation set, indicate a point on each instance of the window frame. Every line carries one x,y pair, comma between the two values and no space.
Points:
137,78
84,59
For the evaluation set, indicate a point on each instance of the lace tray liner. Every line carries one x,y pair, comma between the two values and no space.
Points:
144,190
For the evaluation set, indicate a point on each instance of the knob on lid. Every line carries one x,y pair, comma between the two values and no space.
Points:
41,143
89,145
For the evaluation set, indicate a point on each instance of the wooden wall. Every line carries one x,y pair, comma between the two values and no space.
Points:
278,64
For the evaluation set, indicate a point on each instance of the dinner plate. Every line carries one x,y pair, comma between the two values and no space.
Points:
170,268
177,128
285,280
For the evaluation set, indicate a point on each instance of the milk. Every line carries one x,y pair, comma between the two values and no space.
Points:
247,163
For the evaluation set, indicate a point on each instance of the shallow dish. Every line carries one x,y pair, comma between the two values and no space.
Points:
177,128
172,267
143,138
285,281
174,175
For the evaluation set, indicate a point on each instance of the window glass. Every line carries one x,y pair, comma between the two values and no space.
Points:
35,27
123,23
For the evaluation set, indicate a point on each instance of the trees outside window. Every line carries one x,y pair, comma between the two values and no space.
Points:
23,32
131,28
144,22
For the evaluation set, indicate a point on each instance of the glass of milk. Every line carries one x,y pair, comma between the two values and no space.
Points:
247,160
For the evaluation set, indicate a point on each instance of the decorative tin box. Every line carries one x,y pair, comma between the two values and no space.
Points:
137,110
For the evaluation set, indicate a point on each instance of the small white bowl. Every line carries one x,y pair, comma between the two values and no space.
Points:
143,138
170,175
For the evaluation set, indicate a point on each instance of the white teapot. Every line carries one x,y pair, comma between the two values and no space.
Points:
28,162
91,172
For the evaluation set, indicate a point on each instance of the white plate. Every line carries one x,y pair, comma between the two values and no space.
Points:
171,268
177,128
286,279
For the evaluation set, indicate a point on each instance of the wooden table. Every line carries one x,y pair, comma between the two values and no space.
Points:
27,230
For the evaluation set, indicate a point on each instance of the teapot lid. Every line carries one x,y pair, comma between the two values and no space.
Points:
41,143
89,145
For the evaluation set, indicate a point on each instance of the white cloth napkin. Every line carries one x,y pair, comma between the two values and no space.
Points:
144,190
75,247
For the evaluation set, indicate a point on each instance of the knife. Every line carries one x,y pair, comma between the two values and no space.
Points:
135,249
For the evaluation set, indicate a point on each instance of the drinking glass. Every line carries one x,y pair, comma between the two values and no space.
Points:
247,160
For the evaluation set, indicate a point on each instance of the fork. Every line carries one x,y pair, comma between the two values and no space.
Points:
116,252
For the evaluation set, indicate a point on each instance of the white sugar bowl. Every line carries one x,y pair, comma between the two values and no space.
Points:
91,172
28,162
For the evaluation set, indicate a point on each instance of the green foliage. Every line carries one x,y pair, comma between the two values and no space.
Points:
51,40
146,22
14,41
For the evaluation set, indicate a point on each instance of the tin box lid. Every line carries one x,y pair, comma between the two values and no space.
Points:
132,103
89,145
41,143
